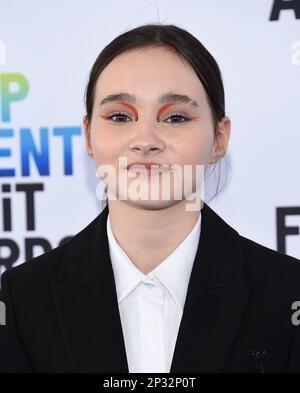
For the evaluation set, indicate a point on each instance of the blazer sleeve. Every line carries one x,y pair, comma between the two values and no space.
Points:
13,357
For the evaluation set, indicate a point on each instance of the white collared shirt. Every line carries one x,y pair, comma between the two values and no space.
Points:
151,305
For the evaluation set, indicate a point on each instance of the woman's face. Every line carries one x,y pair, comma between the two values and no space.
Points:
183,136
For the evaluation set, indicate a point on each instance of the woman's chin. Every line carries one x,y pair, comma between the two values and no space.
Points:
150,204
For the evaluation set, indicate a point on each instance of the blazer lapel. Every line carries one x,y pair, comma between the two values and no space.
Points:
86,303
216,300
88,314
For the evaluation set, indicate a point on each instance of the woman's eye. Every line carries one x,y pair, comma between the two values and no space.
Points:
119,116
179,119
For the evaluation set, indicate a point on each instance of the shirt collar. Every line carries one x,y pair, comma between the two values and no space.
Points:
173,273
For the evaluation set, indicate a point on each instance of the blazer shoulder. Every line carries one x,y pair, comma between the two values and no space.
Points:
257,249
40,268
36,269
267,265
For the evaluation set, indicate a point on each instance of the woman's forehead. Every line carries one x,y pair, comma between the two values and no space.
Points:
140,74
140,66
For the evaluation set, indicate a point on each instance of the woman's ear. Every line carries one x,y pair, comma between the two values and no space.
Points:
87,137
222,140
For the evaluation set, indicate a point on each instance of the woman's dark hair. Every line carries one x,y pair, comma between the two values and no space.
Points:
182,43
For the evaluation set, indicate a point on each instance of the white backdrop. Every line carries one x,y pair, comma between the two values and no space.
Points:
52,46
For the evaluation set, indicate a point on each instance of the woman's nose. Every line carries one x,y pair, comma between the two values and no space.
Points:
146,139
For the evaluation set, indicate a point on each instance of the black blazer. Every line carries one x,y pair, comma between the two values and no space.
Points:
62,310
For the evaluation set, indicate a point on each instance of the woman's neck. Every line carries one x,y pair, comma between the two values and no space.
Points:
148,236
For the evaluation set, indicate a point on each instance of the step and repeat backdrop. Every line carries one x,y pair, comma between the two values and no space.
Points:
47,180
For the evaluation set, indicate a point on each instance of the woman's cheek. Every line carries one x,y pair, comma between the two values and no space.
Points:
102,145
197,152
204,151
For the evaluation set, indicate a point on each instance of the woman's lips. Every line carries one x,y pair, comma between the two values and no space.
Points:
149,169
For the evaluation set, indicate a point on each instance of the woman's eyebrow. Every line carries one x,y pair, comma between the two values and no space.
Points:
163,99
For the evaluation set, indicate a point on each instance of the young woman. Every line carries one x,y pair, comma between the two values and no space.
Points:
153,284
